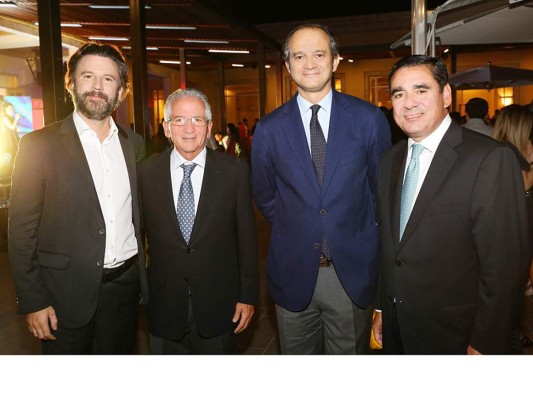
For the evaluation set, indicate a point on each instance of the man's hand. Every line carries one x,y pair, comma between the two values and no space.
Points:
377,326
243,314
39,323
472,352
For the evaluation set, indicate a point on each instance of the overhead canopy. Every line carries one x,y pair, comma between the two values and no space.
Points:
466,22
491,77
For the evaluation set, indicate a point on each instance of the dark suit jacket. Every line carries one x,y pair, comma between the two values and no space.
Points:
299,210
56,227
220,264
458,274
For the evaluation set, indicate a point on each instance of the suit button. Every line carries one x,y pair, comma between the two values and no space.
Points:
99,263
399,263
316,246
188,250
101,231
323,212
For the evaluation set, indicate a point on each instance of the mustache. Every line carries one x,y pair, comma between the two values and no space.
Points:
96,93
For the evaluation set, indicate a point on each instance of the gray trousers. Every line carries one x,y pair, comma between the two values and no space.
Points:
331,323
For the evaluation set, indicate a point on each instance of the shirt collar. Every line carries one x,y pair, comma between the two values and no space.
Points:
325,103
432,141
176,159
83,128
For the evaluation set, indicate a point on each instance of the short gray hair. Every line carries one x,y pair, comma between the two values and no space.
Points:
188,92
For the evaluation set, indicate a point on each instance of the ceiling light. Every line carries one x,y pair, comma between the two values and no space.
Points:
206,41
118,39
114,7
7,4
267,66
229,51
148,48
173,62
237,65
169,27
64,25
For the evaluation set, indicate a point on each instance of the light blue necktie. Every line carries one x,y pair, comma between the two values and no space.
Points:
409,186
185,208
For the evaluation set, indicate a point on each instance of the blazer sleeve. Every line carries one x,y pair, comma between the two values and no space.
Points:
500,232
27,198
263,174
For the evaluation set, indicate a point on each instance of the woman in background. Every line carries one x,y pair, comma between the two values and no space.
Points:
514,128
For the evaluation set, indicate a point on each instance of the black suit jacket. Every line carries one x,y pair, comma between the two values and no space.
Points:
220,264
459,272
56,226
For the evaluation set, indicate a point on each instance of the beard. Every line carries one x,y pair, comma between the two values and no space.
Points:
97,110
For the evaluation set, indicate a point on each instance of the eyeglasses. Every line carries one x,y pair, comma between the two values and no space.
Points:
180,121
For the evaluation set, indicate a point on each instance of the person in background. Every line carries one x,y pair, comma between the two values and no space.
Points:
477,112
243,129
74,225
514,128
448,201
219,139
9,139
201,237
233,140
314,177
252,131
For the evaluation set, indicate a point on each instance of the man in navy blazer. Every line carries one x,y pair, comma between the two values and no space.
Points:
322,263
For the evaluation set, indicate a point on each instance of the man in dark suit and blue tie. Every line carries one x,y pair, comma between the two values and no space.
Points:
314,177
199,222
455,255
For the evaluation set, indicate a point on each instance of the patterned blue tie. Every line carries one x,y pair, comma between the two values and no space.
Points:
185,208
409,186
318,143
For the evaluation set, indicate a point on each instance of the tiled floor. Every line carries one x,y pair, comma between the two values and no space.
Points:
259,339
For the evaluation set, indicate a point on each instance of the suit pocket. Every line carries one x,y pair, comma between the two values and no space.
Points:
52,260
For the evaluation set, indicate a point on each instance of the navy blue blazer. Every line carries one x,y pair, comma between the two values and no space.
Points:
287,192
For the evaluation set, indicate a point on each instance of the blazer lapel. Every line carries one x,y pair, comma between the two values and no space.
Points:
338,130
295,134
76,157
396,182
441,164
164,190
211,184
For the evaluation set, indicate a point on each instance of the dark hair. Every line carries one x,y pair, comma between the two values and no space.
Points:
333,46
437,68
477,107
233,132
101,50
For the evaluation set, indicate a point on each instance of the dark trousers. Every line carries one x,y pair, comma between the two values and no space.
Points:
193,343
112,329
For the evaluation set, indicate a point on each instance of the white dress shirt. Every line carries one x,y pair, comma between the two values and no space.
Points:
197,175
430,143
324,114
111,180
